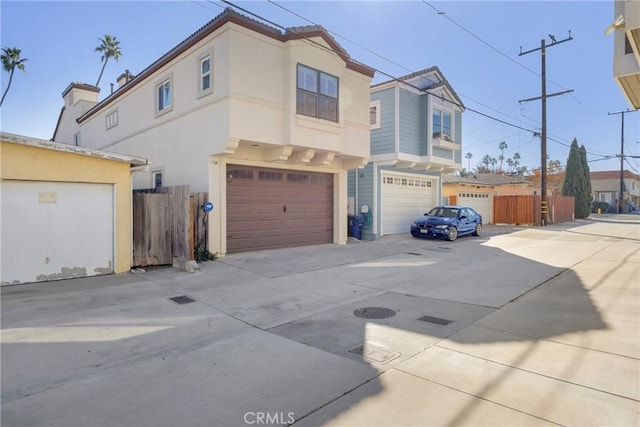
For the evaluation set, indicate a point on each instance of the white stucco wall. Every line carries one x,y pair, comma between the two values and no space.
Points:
249,118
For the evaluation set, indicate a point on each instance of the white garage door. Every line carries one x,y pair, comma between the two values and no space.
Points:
481,202
53,230
404,198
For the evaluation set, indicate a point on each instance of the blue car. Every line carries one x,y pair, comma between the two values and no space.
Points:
449,222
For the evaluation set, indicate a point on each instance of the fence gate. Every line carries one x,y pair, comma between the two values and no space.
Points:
153,218
162,226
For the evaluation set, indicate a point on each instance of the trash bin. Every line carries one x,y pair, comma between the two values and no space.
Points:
355,226
351,221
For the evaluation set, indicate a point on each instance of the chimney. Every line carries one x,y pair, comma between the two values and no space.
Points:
77,92
124,78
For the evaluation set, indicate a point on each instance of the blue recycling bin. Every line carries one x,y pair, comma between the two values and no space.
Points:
355,226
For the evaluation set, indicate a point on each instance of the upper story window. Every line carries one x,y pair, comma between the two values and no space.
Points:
441,124
374,114
164,96
317,94
76,139
205,74
627,45
111,119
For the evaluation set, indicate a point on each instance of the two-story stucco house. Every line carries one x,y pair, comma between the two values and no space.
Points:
268,122
416,135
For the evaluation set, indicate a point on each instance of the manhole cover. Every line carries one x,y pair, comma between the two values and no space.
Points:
182,299
374,313
374,353
437,320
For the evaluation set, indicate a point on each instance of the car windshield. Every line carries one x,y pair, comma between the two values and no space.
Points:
444,212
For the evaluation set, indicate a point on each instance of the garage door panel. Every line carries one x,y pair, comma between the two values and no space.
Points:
277,208
48,227
480,202
402,203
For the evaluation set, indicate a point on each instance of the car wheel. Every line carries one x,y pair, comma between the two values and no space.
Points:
453,234
478,230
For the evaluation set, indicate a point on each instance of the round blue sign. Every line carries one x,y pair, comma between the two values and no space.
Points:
208,207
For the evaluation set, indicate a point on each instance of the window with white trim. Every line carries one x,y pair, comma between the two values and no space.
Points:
441,124
317,94
156,178
111,119
164,96
205,74
374,114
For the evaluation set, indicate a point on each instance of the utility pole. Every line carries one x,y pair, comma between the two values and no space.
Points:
543,138
622,156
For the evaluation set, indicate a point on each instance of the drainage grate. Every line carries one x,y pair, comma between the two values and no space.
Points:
414,253
436,320
182,299
374,353
374,312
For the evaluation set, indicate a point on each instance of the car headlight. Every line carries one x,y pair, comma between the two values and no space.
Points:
441,227
414,225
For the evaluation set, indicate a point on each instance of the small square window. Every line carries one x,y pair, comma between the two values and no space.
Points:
111,119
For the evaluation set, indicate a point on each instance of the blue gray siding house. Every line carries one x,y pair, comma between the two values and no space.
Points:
416,136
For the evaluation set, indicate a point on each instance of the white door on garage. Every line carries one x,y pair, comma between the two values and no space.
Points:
404,198
481,202
56,230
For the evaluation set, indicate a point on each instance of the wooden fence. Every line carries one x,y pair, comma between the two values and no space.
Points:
168,224
527,210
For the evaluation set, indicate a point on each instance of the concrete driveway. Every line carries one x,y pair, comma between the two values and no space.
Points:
522,326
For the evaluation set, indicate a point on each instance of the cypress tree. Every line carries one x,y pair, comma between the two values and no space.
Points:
587,177
576,181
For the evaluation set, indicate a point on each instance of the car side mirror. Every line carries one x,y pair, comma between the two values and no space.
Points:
463,216
426,214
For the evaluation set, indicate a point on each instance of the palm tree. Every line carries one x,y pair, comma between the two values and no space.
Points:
10,61
110,48
468,156
502,146
493,162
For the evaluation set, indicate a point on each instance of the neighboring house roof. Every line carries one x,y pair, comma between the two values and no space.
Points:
229,15
498,179
68,148
433,85
453,179
613,175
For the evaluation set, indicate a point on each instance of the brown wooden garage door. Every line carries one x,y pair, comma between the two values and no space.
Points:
272,208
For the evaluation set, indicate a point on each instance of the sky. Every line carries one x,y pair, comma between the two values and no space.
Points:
476,44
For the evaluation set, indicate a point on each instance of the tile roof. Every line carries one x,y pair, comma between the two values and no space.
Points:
613,175
229,15
497,179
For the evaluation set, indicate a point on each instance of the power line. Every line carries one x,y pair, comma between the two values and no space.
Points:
490,46
393,78
378,55
409,70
